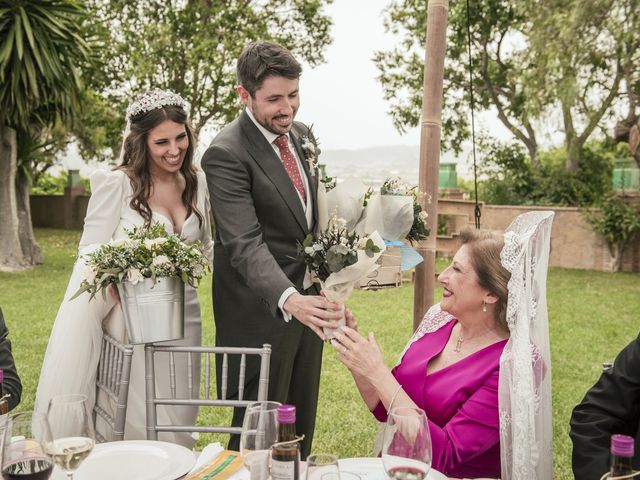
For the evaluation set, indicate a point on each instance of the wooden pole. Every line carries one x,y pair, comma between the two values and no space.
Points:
430,152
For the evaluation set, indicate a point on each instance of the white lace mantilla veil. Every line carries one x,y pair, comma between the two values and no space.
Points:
524,391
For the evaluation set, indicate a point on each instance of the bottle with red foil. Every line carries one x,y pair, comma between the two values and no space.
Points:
285,458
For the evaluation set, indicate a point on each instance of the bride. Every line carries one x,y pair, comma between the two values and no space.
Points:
155,182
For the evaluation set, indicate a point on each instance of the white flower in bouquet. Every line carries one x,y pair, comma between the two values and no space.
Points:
161,260
149,252
339,259
134,276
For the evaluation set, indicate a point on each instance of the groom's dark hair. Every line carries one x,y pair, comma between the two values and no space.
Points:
262,59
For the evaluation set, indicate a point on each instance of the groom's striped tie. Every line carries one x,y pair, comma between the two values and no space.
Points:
290,164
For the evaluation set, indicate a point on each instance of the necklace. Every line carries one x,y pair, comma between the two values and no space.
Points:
458,346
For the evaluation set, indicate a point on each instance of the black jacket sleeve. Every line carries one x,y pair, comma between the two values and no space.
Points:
12,384
611,406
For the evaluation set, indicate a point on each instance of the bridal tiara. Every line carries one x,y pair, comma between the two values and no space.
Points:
154,99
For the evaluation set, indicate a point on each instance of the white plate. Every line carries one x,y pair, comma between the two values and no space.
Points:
133,459
372,469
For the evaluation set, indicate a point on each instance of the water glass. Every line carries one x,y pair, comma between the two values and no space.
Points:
322,466
259,433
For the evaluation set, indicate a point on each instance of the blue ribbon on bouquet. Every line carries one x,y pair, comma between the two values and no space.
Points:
409,257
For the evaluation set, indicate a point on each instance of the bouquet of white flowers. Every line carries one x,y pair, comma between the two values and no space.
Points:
149,252
340,258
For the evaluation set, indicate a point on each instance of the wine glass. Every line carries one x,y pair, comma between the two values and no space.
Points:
26,435
406,448
72,431
322,466
259,433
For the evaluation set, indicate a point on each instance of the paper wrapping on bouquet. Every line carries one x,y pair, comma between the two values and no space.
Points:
338,286
345,201
153,312
390,215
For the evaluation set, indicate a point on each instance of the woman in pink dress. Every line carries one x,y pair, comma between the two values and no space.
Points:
479,364
451,367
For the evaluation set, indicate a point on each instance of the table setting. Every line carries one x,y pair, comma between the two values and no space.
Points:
61,446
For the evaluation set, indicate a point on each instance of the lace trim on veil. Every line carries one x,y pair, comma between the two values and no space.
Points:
524,391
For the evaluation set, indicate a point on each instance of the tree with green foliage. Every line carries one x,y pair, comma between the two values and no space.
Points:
191,46
41,50
507,176
618,223
532,63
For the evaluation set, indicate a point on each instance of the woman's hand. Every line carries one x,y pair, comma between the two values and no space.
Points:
360,355
112,290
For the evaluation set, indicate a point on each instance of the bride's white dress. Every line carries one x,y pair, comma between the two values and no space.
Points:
72,355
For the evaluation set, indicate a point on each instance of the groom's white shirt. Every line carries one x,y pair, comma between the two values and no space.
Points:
308,207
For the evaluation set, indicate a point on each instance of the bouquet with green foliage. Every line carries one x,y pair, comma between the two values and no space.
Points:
340,258
149,252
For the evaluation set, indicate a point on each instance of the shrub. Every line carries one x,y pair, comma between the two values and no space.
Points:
618,223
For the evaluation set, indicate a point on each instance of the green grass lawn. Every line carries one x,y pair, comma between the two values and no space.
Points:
592,316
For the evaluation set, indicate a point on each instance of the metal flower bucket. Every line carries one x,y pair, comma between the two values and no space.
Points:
153,312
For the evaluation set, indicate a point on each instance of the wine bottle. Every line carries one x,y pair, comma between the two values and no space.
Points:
285,458
621,455
4,403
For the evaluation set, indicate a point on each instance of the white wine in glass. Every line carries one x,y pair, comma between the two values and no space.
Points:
406,448
259,433
72,431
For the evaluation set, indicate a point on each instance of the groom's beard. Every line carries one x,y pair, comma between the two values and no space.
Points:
278,124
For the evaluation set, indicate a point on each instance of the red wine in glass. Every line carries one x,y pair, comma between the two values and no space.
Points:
34,468
407,473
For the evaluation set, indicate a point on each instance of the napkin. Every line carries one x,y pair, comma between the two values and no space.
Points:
217,463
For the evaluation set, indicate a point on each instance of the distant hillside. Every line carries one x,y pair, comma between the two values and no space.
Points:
374,165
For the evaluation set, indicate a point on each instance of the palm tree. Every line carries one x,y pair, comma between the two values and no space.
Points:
41,50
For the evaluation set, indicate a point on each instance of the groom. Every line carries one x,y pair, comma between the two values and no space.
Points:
263,195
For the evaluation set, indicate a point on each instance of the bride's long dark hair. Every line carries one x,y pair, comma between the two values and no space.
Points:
136,158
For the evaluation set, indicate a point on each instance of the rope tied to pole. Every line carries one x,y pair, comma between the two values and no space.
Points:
477,212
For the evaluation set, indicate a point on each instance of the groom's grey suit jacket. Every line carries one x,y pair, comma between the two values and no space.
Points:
258,219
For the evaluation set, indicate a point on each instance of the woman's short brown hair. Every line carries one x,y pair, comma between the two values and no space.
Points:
484,252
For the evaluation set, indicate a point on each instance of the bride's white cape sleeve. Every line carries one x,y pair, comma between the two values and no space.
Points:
73,351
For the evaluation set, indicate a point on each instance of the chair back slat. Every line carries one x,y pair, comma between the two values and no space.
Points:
243,366
112,388
172,374
225,376
207,376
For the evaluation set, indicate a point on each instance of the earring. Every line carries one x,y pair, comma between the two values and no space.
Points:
484,307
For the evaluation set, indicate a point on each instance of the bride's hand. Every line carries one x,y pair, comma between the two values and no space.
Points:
113,293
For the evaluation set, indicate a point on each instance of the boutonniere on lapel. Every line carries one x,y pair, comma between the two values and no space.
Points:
311,150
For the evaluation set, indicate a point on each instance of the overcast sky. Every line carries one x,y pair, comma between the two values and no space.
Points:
342,97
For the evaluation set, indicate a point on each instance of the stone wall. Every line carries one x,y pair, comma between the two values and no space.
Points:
573,242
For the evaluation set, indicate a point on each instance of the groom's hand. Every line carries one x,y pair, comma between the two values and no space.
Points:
313,311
